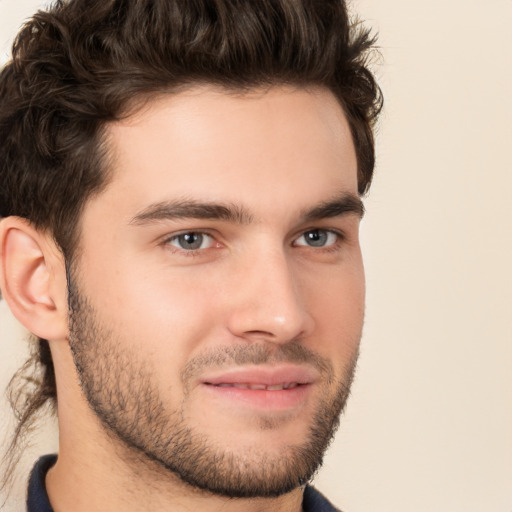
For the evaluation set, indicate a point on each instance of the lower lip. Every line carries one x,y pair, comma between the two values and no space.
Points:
275,400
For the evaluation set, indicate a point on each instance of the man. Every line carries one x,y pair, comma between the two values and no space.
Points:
180,207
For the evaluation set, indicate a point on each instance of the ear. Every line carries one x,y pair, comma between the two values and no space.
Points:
33,278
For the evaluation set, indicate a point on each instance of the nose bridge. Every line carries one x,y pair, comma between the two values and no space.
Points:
270,303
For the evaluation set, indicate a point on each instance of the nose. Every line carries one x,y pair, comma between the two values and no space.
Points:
268,302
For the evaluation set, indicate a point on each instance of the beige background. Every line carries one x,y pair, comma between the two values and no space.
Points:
429,425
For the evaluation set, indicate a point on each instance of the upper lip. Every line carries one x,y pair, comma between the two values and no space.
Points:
263,375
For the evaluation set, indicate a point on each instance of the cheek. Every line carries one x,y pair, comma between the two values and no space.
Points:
338,310
160,316
168,312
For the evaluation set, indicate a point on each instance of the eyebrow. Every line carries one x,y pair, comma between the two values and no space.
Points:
344,204
192,209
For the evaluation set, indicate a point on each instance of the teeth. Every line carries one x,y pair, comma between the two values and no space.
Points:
260,387
257,386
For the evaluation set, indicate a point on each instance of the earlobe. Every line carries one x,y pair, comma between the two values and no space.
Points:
32,278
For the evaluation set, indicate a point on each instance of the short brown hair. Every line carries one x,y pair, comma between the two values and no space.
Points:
79,66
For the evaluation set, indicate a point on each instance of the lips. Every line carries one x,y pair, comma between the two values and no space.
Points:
263,378
273,387
280,388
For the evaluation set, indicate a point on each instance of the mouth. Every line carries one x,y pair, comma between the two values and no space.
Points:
260,387
271,389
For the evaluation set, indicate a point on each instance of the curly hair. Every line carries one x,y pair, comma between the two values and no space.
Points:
81,64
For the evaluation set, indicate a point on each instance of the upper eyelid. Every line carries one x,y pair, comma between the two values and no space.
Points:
181,232
341,234
181,251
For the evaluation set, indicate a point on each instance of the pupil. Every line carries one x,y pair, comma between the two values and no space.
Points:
316,238
191,241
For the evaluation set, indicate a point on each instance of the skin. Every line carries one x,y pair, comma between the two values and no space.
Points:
255,284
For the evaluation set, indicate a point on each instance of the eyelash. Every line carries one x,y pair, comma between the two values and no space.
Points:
340,237
181,250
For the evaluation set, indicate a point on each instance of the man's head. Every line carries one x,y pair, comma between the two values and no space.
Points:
190,173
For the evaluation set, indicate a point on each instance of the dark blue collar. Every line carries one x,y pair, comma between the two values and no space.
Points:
37,499
313,501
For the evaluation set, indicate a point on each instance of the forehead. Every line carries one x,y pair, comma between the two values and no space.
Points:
209,144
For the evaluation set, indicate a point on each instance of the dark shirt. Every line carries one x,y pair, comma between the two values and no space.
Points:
37,500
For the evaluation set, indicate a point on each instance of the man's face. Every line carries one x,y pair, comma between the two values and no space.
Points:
217,300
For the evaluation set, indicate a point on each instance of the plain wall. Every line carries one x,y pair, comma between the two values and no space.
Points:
429,424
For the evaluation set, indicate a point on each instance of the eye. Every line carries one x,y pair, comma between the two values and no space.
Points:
191,241
317,238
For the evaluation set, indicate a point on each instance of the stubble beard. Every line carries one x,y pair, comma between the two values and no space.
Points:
122,392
